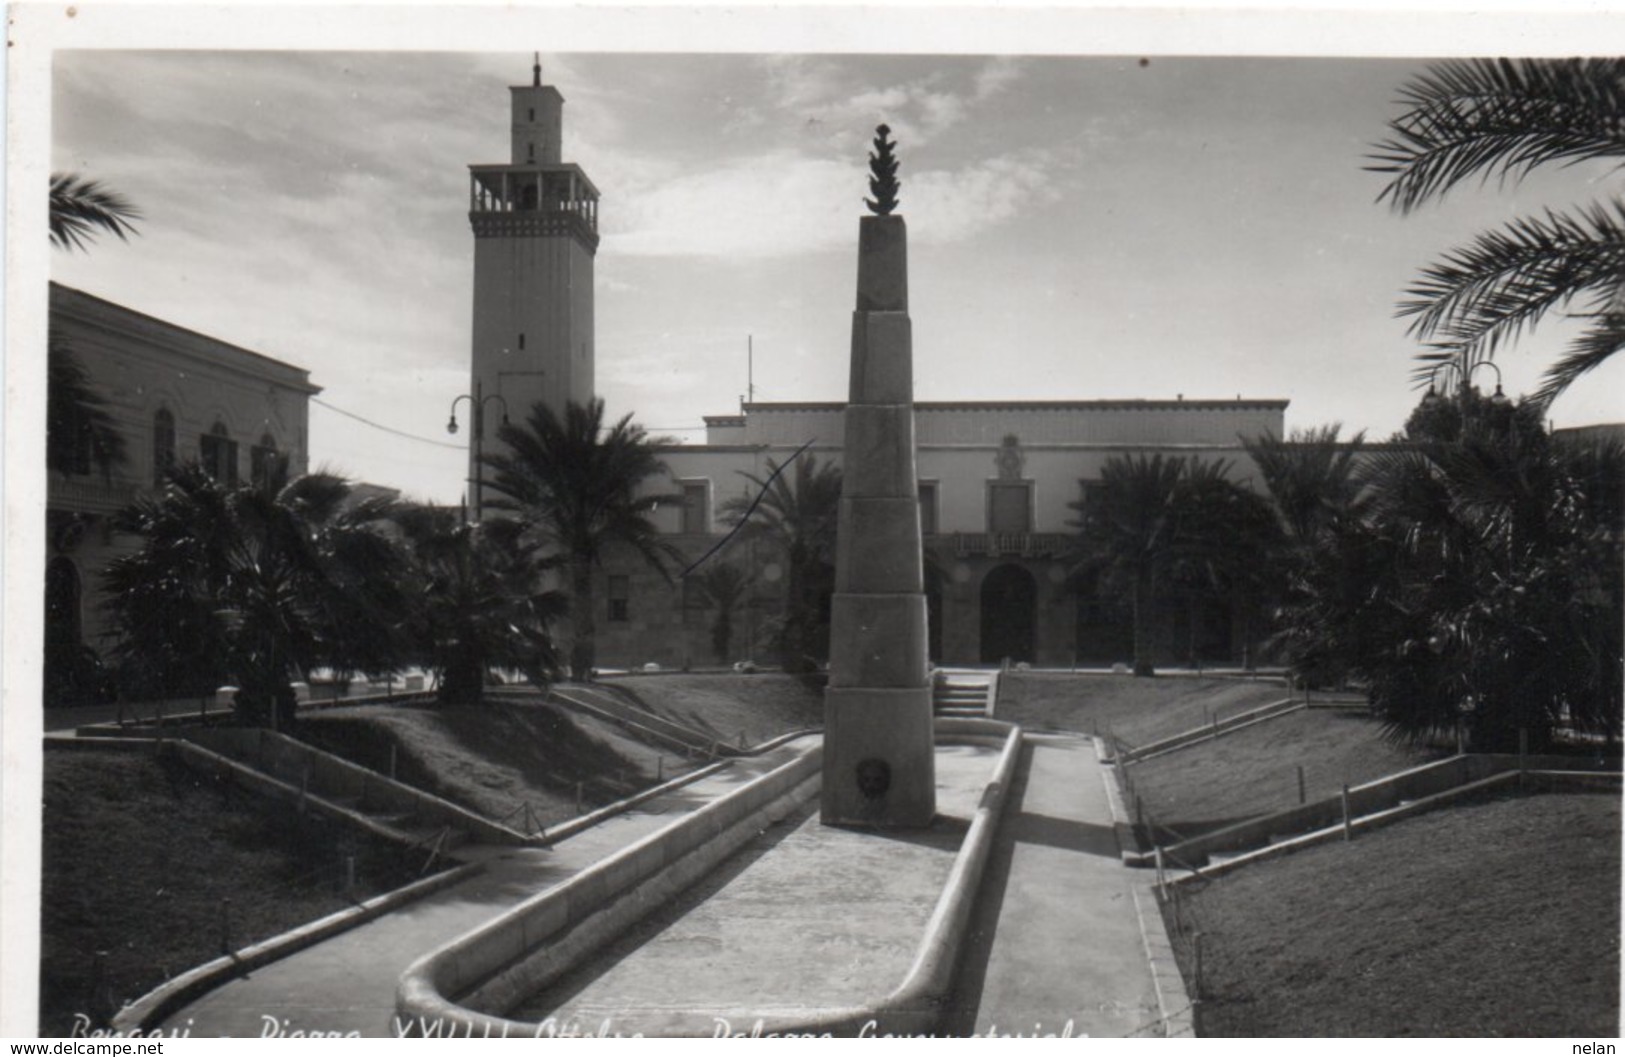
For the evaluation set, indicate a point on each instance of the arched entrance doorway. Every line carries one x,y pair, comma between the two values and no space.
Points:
1009,615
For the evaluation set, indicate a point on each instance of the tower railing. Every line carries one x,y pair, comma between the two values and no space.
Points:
552,189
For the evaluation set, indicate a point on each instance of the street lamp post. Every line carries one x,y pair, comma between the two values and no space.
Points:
476,402
1499,397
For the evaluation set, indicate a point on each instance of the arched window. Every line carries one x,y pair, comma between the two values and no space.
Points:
263,460
217,453
163,445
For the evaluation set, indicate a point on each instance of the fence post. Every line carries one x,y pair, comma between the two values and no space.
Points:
393,752
1196,967
1348,822
578,798
1161,879
741,739
101,992
225,926
349,873
1303,793
660,769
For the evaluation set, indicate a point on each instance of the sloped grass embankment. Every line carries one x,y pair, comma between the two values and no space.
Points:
1254,771
1136,710
1494,918
496,757
140,852
762,705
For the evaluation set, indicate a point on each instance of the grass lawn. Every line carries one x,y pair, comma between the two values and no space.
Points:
492,758
1253,771
138,854
763,704
1137,710
1496,918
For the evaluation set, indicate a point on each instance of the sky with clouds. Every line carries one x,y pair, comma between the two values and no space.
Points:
1080,227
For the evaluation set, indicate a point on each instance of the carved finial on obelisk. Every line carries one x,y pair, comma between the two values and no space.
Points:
883,184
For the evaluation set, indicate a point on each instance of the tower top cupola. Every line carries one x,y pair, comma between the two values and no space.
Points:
538,112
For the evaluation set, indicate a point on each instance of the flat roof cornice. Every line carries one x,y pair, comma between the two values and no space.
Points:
1049,405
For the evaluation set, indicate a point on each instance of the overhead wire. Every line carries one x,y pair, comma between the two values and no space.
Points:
387,429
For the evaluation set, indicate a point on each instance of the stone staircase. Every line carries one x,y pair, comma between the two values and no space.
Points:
964,694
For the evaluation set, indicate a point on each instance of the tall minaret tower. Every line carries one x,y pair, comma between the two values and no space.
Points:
535,224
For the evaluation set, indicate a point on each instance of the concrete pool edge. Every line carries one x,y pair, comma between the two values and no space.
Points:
522,951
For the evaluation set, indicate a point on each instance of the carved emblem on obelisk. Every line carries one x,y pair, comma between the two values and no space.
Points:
883,184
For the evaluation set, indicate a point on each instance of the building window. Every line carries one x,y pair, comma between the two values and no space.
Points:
217,453
1091,494
928,508
163,445
696,508
620,599
521,341
1009,506
263,461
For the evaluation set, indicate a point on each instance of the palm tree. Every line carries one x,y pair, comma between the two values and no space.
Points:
1504,118
79,432
723,587
1476,585
1313,482
477,600
575,482
1157,524
1501,608
1310,476
81,207
258,582
796,517
1223,537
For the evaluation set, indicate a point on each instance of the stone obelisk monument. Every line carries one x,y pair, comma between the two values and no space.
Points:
879,758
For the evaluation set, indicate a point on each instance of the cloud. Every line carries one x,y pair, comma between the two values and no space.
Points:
766,205
995,76
948,207
816,93
781,203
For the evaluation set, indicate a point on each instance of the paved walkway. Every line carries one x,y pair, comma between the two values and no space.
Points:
347,983
1056,945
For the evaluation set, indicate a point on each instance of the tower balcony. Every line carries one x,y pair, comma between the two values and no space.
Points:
532,199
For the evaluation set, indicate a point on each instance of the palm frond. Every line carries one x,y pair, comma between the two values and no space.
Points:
81,207
1485,294
1499,117
1604,338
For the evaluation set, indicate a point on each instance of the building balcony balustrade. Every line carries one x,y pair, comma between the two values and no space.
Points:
88,494
1007,544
